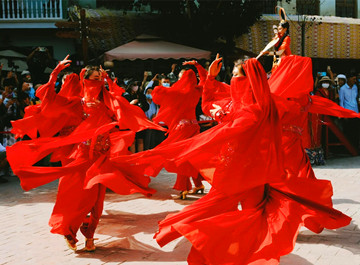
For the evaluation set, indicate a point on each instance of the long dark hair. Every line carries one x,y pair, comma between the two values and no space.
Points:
285,25
131,84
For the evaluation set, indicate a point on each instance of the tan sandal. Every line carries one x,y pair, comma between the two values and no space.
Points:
71,242
89,245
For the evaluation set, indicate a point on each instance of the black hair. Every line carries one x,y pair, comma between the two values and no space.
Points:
89,70
131,84
241,61
285,25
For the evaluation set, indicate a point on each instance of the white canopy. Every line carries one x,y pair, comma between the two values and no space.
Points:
149,47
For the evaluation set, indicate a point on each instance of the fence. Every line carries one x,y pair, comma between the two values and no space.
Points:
11,10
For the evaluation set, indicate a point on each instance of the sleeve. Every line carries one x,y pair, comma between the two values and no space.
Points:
285,45
202,73
341,97
258,81
113,87
160,94
321,105
48,90
150,84
214,92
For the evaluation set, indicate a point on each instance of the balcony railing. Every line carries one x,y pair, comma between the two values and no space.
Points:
11,10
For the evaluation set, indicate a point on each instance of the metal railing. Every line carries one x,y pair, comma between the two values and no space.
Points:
18,10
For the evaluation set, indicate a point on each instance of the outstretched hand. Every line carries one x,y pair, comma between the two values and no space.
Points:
215,66
103,72
193,62
64,63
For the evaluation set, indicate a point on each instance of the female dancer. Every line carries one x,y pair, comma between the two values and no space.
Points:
83,133
177,112
242,159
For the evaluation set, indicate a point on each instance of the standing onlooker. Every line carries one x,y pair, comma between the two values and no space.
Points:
348,96
135,97
10,80
37,62
152,137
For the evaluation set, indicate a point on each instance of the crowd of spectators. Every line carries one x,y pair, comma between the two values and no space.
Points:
18,91
343,89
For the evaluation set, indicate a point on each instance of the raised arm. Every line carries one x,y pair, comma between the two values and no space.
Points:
48,90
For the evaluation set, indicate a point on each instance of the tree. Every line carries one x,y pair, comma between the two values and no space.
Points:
200,23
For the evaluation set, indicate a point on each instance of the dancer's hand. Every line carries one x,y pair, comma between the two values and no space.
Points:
103,72
214,110
215,66
64,63
193,62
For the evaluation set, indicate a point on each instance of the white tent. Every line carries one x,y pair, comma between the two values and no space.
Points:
149,47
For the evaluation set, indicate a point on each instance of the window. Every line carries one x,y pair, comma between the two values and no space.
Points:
308,7
269,6
346,8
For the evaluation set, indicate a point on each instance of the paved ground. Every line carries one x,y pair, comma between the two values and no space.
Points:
126,229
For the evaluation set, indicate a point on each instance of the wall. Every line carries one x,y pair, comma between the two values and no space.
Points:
87,3
327,8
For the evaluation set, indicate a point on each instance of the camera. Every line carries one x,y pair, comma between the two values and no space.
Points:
42,49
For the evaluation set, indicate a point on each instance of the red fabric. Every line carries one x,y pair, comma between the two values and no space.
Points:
182,96
214,92
252,131
293,77
177,111
250,236
285,45
87,137
260,233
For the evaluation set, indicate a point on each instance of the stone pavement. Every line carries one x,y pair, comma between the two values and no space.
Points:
126,229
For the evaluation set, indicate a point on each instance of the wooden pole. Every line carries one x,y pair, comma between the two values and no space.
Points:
84,35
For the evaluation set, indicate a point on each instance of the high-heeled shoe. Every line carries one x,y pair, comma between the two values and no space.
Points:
183,195
196,190
89,245
71,242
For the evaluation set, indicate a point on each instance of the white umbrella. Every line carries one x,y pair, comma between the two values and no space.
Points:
20,65
11,54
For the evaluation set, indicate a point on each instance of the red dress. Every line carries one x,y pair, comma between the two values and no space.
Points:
177,112
84,137
242,159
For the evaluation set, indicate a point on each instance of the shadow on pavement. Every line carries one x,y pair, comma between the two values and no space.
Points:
347,237
292,259
130,249
341,201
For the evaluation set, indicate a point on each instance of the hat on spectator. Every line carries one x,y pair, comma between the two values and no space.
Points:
325,79
25,72
341,76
